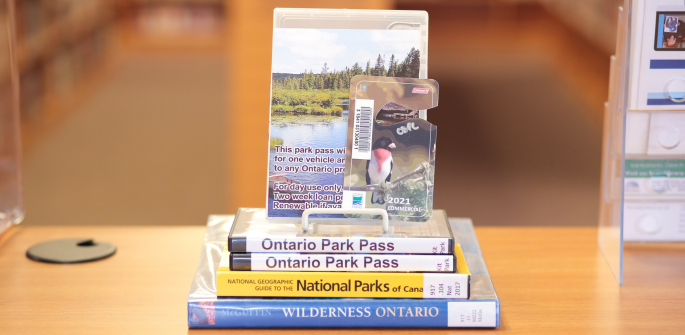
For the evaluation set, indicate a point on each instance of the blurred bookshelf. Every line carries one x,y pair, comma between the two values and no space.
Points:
67,47
62,47
595,20
70,49
180,24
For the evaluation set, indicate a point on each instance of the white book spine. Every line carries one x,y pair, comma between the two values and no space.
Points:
446,285
463,314
351,262
346,245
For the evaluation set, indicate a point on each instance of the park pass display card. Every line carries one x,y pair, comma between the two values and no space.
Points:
311,74
390,162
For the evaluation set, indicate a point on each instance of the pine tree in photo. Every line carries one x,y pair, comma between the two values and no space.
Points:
320,83
392,66
356,70
414,63
405,71
379,68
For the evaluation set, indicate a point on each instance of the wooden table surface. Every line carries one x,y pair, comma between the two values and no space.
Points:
549,280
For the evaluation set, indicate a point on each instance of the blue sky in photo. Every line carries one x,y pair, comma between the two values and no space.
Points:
297,49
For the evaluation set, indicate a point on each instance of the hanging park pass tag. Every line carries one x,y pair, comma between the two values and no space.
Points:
390,156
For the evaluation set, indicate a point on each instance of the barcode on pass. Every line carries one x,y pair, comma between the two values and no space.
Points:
363,126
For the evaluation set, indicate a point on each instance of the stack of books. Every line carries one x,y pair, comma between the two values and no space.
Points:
268,273
270,259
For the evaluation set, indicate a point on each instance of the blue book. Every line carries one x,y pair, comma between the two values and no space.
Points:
205,310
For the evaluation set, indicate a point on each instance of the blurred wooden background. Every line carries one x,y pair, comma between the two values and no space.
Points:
156,112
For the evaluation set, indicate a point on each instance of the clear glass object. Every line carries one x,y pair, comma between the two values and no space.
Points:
11,206
643,158
611,194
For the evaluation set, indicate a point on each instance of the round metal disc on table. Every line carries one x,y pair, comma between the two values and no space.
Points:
70,250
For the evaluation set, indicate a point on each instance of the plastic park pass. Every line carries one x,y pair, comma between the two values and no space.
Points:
390,160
